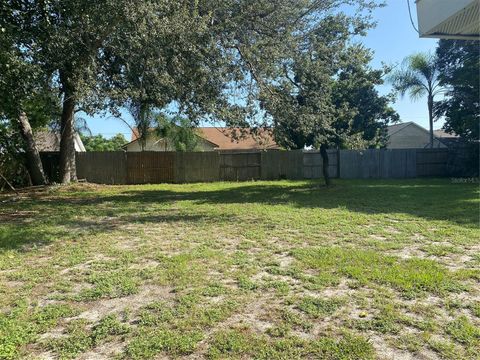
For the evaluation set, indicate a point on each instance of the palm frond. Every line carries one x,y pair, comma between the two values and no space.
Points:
417,76
416,92
425,64
405,79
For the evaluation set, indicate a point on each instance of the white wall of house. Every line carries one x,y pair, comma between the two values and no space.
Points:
412,137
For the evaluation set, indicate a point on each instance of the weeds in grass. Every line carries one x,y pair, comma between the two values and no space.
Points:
316,307
79,338
412,277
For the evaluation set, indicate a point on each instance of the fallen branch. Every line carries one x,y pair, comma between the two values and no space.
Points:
10,185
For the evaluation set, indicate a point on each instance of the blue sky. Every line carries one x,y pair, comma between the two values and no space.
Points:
392,40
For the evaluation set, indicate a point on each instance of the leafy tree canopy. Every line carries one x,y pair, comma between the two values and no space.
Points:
178,131
323,92
459,64
24,87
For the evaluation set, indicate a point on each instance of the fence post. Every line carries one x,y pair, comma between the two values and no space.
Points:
338,163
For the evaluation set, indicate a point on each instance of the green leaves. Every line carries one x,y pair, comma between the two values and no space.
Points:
99,143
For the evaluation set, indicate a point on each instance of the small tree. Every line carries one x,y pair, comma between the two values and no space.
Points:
419,77
177,131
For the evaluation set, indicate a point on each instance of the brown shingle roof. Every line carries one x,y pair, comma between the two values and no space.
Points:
234,138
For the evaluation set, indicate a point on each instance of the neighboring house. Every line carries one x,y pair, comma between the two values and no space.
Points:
409,135
50,141
210,139
154,143
233,139
449,19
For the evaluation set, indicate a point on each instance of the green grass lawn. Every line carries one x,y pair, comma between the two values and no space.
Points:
266,270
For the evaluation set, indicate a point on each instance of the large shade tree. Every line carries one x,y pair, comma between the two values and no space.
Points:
322,93
210,59
90,47
108,53
71,40
419,77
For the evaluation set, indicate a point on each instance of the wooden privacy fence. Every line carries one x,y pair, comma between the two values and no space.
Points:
184,167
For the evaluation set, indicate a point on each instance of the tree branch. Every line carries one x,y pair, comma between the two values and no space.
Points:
252,70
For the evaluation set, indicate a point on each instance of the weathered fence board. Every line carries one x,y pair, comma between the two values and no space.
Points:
197,167
397,164
432,162
313,164
282,165
377,164
240,166
150,167
350,166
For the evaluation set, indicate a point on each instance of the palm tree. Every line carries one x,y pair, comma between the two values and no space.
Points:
418,77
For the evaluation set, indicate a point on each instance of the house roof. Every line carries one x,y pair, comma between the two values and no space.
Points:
443,134
224,138
447,19
239,139
50,141
440,135
451,140
392,129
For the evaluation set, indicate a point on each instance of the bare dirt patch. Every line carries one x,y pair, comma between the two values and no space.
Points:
102,308
387,352
105,351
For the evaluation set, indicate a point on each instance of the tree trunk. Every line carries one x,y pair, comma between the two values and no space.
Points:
34,163
324,154
68,171
430,118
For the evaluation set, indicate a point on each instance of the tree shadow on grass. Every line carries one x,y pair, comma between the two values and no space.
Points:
24,235
431,199
95,212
